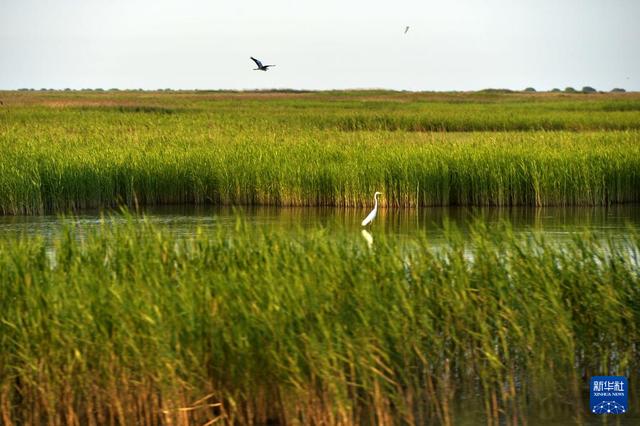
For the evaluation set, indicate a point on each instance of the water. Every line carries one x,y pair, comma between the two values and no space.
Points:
556,222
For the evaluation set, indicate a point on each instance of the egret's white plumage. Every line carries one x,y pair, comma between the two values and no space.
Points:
367,220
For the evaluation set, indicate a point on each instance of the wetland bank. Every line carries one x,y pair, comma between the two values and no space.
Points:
296,319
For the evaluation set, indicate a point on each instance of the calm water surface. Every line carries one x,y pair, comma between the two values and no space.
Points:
557,222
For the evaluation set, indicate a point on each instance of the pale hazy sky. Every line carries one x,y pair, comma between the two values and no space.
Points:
451,45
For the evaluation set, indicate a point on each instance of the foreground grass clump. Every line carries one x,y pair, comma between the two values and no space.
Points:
65,152
132,325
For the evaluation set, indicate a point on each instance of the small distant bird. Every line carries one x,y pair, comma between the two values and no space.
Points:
406,29
260,66
1,103
367,220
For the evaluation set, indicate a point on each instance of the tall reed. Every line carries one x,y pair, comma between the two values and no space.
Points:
52,169
131,324
68,151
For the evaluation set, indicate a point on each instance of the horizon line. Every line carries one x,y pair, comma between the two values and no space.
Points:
354,89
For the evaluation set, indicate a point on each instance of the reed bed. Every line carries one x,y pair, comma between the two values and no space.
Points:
67,152
129,324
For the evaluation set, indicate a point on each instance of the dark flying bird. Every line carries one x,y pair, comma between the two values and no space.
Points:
260,66
406,30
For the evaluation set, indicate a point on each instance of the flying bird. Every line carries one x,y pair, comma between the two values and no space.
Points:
406,29
260,66
367,220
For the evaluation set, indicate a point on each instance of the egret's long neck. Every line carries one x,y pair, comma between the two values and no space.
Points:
375,199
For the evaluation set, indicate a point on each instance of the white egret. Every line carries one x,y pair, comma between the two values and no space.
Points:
367,220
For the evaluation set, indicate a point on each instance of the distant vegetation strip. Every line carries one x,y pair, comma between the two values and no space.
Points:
129,324
68,151
358,110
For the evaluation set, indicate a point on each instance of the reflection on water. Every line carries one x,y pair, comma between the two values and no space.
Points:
555,221
367,237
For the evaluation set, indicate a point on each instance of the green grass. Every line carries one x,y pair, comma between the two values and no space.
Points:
69,151
133,325
130,324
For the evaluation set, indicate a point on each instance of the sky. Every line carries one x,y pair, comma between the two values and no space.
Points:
328,44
